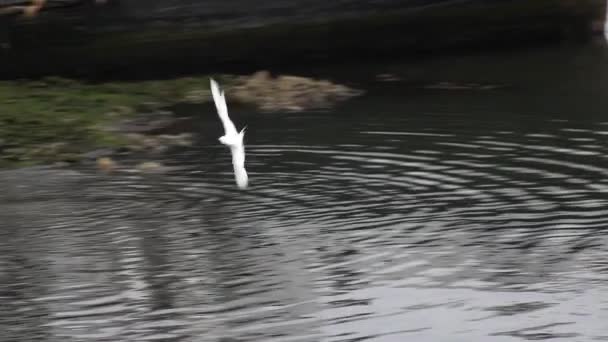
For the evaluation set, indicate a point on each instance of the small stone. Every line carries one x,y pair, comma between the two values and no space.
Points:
184,139
97,154
150,166
151,142
106,164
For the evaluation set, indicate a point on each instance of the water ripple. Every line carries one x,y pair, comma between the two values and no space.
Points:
431,233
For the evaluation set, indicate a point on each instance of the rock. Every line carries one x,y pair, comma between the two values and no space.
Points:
61,164
141,142
135,141
157,143
106,164
151,142
157,122
150,167
289,93
184,139
96,154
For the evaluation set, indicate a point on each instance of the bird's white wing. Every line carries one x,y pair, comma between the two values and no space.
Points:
238,162
222,108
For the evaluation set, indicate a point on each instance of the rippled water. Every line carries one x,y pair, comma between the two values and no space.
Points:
411,214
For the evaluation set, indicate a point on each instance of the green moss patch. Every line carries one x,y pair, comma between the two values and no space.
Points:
55,119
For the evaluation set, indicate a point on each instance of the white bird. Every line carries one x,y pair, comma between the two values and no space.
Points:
231,137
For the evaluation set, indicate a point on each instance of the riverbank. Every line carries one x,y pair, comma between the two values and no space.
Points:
156,38
56,120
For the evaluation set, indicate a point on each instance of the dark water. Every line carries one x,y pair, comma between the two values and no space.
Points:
411,214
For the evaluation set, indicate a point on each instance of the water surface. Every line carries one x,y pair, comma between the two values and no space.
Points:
413,213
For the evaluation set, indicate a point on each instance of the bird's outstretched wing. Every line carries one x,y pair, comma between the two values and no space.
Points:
222,108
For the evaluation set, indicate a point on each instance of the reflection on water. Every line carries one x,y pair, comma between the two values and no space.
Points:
411,214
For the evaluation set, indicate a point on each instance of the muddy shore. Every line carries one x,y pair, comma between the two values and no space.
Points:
57,120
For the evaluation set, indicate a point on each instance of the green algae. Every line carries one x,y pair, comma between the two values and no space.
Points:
57,120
